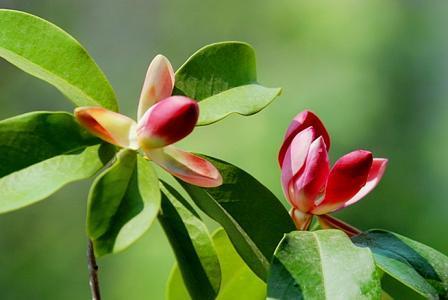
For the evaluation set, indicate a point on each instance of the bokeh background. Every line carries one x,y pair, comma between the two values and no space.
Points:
375,71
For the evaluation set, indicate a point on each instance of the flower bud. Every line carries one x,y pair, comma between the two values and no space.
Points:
167,122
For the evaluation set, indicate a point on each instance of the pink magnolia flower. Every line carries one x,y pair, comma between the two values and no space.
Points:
310,186
162,120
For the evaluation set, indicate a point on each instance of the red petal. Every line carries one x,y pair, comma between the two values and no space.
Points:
186,166
110,126
158,85
167,122
348,176
295,158
299,123
309,184
374,177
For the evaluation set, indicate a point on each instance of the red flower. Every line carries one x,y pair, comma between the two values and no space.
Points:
162,120
310,186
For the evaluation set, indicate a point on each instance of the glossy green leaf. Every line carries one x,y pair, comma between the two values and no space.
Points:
47,52
245,100
252,216
216,68
123,203
322,264
43,151
192,245
223,78
418,266
238,281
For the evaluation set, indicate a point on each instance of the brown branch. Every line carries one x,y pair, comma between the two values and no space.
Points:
93,272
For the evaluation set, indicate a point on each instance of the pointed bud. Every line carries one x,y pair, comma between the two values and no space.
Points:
167,122
302,121
309,185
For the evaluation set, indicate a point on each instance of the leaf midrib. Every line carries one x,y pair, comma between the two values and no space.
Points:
319,251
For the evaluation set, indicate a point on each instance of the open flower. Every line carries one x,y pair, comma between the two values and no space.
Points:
162,120
310,186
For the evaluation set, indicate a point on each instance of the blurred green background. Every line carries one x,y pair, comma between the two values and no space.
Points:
375,71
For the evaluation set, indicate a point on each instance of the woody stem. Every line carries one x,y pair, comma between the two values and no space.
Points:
93,272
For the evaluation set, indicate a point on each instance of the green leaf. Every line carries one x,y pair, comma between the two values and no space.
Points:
191,243
123,203
385,296
418,266
252,216
322,264
43,151
238,281
47,52
216,68
245,100
223,78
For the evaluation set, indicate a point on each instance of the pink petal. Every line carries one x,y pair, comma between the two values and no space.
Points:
330,222
295,158
301,220
167,122
110,126
374,177
299,123
158,85
186,166
309,184
347,177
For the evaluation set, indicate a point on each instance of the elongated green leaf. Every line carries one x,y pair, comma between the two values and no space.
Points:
49,53
123,203
245,100
41,152
418,266
238,281
322,264
252,216
223,78
192,245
